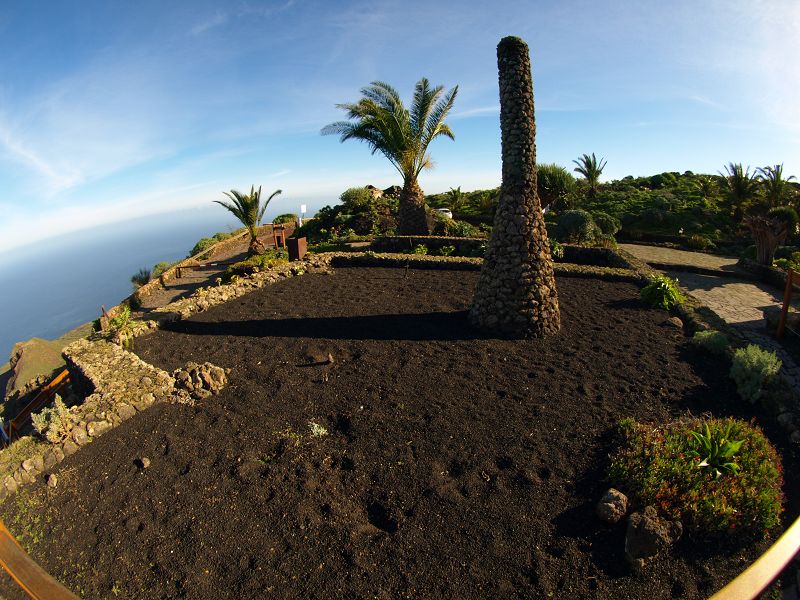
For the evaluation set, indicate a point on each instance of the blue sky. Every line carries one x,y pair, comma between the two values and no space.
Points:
112,110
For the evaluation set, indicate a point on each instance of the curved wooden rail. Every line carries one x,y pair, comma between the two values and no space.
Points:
29,575
44,396
765,570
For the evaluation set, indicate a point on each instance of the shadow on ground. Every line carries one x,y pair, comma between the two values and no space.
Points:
427,326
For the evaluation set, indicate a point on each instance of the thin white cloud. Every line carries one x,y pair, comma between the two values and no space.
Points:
476,112
215,20
705,101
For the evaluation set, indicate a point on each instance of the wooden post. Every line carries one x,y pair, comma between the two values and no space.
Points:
787,298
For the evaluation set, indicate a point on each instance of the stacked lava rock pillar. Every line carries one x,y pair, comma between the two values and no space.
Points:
516,294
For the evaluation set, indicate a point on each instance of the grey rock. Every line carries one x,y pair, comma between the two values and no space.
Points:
648,534
612,506
52,480
674,322
69,448
125,411
79,435
143,462
96,428
33,465
10,484
50,460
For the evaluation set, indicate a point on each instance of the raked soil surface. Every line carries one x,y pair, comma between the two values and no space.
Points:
445,465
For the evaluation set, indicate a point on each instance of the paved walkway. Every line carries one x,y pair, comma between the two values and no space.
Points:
738,301
670,256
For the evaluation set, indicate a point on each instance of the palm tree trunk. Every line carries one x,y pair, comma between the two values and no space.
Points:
413,219
256,245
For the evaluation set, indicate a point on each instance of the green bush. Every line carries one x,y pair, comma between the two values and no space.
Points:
576,226
452,228
140,278
607,223
699,242
285,218
662,292
419,249
121,320
676,469
53,422
556,249
752,369
159,268
712,341
446,251
749,253
254,264
784,252
605,240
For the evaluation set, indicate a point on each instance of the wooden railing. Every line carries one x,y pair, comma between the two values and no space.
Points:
29,576
44,397
765,570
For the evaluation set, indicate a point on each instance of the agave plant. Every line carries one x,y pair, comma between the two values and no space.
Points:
716,450
591,169
249,210
402,135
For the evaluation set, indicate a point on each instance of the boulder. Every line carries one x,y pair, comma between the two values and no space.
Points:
612,506
648,534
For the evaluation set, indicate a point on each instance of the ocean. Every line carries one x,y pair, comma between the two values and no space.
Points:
53,286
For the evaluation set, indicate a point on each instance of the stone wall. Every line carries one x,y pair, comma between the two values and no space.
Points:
401,243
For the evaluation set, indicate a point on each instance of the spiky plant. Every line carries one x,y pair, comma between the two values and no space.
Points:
249,209
555,185
455,198
776,188
740,188
591,169
402,135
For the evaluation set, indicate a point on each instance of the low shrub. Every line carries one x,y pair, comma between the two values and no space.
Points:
718,476
419,249
712,341
329,247
556,249
53,423
607,223
285,218
205,243
605,240
787,215
452,228
576,226
159,268
254,264
446,251
140,278
699,242
662,292
752,369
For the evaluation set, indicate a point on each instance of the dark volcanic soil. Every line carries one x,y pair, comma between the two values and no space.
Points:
453,466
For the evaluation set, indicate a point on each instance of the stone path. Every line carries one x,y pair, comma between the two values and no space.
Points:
670,256
739,302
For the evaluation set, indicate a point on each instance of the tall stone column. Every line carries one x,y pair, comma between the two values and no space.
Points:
516,294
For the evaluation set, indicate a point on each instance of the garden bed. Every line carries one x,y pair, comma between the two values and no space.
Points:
452,465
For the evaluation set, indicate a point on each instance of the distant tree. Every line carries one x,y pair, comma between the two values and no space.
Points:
740,188
591,169
554,185
455,198
402,135
356,198
249,210
776,188
707,186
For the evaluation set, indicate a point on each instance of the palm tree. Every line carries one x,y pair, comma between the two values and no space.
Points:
249,210
776,188
382,121
591,170
455,198
740,188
